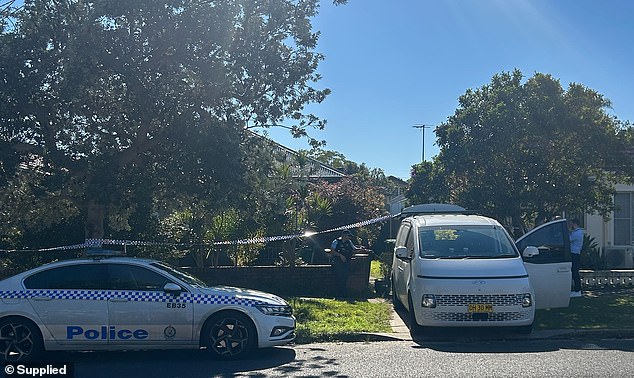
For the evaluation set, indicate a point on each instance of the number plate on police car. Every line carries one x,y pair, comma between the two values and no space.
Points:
480,307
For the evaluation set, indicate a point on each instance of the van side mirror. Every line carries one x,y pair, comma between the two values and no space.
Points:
402,253
530,251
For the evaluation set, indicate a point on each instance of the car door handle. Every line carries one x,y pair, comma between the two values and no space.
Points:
119,300
563,269
42,298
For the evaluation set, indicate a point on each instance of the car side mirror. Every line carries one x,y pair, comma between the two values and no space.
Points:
172,288
530,251
402,253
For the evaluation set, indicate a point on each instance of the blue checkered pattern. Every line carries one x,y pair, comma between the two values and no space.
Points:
135,296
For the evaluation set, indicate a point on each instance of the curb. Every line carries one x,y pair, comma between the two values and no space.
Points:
580,333
498,335
554,334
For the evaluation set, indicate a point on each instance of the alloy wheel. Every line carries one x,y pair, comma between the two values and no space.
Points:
230,336
17,341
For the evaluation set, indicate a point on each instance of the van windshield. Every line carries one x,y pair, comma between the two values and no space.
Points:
465,242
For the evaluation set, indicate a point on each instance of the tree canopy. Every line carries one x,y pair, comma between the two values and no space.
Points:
427,184
109,108
526,150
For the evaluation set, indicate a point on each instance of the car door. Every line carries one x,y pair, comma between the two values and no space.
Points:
141,313
550,271
71,302
401,267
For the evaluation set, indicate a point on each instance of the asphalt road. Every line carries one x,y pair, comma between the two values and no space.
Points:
454,358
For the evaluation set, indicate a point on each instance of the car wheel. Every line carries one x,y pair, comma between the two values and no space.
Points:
414,327
20,340
230,335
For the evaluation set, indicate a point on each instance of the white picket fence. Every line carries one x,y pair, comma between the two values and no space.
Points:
607,278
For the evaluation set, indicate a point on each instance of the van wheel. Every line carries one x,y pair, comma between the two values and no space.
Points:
20,340
414,327
229,335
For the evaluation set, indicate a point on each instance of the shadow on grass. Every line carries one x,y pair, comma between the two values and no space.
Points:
597,309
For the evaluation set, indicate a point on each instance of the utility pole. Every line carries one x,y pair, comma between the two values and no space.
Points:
422,129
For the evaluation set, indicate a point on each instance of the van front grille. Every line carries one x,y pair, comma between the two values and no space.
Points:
467,299
468,317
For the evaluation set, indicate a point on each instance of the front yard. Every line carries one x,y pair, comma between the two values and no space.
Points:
334,320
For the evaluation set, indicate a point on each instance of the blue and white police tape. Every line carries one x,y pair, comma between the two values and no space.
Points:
99,243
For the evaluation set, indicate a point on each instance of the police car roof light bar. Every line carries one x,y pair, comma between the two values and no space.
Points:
101,253
434,208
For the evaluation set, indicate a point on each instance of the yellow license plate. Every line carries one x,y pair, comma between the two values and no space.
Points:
480,307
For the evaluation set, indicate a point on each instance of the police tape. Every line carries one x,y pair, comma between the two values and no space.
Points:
99,243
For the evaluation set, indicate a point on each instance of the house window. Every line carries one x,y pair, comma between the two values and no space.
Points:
623,218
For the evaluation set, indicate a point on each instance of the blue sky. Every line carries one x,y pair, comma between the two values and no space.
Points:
392,64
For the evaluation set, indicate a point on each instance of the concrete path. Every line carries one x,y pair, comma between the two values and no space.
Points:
400,331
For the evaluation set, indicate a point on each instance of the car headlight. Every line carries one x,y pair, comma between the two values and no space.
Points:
527,300
429,301
275,310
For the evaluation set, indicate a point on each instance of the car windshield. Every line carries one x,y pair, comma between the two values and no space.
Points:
181,275
465,242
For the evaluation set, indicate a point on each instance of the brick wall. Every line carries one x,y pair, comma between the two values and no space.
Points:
305,280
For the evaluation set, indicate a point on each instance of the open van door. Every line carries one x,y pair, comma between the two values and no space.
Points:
549,270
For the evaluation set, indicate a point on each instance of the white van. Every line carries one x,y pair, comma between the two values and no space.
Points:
455,269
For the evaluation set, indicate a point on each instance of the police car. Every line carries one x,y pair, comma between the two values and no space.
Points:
119,303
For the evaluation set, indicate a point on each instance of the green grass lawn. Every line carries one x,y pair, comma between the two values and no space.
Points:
613,311
331,320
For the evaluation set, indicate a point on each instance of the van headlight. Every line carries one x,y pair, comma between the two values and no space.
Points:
527,300
428,301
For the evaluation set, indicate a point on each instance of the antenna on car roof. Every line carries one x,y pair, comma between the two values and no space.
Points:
434,208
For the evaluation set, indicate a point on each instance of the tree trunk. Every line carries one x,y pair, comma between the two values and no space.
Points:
95,212
200,256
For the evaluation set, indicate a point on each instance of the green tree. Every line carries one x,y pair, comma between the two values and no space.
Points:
522,150
427,184
109,110
360,196
352,201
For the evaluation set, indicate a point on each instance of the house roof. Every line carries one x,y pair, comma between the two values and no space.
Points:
313,169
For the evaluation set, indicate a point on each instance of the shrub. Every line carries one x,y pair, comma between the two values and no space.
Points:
590,256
